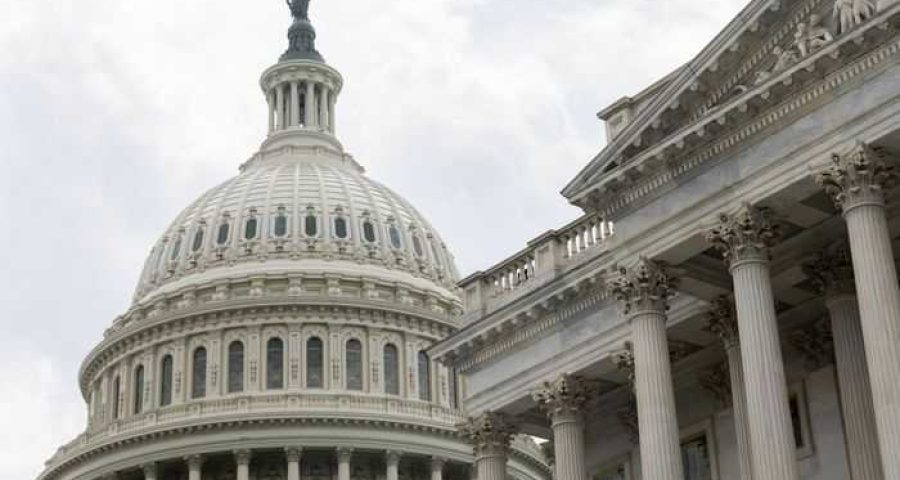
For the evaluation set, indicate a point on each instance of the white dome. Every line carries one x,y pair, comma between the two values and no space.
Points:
298,210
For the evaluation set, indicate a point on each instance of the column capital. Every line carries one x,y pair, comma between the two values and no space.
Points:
815,342
624,361
722,321
437,463
490,433
717,381
293,453
859,176
646,285
194,461
242,457
832,271
745,235
149,469
344,454
392,457
567,394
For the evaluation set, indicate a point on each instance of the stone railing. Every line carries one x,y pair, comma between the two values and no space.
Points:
544,258
323,406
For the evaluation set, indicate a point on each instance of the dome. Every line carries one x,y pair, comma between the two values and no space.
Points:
294,211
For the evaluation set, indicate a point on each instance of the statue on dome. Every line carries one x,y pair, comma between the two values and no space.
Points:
299,9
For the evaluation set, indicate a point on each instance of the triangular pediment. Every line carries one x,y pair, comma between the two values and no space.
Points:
766,37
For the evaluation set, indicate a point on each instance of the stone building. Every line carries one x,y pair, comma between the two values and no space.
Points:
727,308
280,327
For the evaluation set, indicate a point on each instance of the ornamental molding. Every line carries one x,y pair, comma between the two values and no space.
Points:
717,382
815,343
722,321
566,394
745,235
164,329
859,176
489,433
755,112
831,271
644,287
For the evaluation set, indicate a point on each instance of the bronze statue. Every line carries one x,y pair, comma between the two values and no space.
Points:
299,8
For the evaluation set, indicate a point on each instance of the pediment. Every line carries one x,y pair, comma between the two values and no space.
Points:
765,39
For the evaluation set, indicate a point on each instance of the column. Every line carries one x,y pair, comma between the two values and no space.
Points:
490,434
331,100
309,105
194,462
856,181
723,323
437,468
832,271
149,470
744,239
392,460
292,454
242,459
643,292
295,104
323,107
280,123
270,100
564,400
343,456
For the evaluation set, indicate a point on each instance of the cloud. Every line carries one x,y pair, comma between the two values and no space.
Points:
118,114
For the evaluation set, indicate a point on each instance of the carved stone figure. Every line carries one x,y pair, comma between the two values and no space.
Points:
811,36
850,13
299,9
784,58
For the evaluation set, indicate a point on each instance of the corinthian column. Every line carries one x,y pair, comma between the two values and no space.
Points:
437,468
149,470
242,459
722,322
833,273
490,434
343,457
392,462
857,181
293,462
643,291
744,240
564,400
195,463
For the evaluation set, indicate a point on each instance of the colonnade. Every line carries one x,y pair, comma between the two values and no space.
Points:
293,456
301,104
862,295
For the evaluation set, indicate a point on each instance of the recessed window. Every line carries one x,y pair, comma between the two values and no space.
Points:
340,228
235,367
391,369
198,240
222,234
165,382
315,375
424,376
250,228
417,245
176,249
695,458
138,389
368,231
354,365
434,252
115,398
280,227
275,363
198,377
395,237
311,226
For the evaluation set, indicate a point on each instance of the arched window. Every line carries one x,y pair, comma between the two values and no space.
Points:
280,226
311,226
198,374
222,234
235,367
391,369
353,362
340,228
274,363
395,237
417,245
165,381
250,228
198,240
315,375
176,249
139,389
368,231
115,398
424,376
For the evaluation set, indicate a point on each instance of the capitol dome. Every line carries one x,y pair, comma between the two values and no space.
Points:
281,324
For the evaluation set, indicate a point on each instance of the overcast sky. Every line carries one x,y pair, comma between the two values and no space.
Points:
116,114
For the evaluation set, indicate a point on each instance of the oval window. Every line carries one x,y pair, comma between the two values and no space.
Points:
311,227
340,227
250,228
198,240
417,245
368,231
395,237
222,235
280,225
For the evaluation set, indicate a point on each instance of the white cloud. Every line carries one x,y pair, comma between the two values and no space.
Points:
117,114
